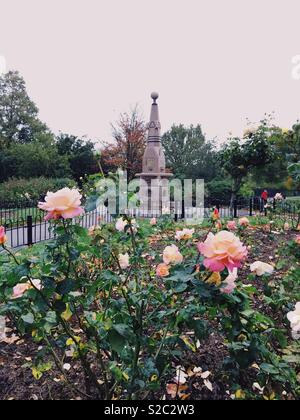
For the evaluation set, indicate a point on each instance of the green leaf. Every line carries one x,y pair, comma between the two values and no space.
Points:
123,330
65,286
266,367
116,340
51,317
28,318
200,327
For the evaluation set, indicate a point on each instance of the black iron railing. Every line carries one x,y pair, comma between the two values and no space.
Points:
26,225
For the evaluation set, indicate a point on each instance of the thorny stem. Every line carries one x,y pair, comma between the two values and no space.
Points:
60,367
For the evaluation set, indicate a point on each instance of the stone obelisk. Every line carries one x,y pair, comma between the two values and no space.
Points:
153,193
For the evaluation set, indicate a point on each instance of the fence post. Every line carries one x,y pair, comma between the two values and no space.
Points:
235,209
251,207
29,231
182,210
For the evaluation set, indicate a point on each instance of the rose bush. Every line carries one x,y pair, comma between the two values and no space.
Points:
127,304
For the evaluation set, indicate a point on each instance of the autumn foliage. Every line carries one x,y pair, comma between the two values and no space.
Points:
127,149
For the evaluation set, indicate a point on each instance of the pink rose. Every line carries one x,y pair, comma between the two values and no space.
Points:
162,270
153,221
244,221
231,225
297,240
3,238
64,204
222,250
171,255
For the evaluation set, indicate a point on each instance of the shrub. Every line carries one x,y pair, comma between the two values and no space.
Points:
20,192
219,189
33,160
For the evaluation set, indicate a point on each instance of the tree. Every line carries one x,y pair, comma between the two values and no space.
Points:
286,146
129,141
19,120
80,154
188,153
239,157
35,159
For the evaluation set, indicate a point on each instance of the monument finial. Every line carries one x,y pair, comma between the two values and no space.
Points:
154,124
154,96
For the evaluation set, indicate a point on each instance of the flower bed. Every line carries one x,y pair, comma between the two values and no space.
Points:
151,309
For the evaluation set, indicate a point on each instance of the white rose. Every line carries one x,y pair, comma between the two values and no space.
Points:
184,234
124,261
121,224
261,268
294,318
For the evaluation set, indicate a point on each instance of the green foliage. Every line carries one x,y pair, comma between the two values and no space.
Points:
189,154
31,160
15,191
127,326
27,148
239,157
219,189
294,171
79,153
19,121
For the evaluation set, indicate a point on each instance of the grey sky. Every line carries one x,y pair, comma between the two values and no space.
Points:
214,62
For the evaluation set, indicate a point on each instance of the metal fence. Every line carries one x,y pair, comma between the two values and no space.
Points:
32,229
25,224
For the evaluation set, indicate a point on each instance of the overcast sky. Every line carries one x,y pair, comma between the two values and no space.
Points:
213,62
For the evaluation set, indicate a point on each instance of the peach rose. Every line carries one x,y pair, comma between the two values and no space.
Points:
297,240
218,225
171,255
231,225
20,289
65,203
185,234
222,250
244,221
162,270
3,237
124,261
153,221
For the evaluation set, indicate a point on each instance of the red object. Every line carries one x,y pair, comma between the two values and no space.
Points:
264,195
216,214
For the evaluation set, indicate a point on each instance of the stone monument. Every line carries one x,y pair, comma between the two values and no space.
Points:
154,195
